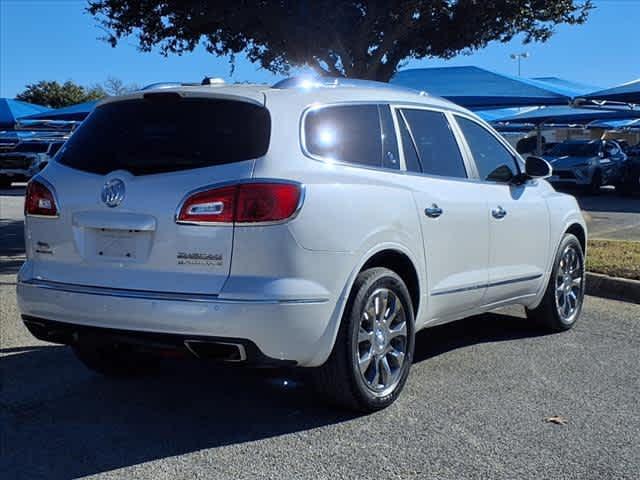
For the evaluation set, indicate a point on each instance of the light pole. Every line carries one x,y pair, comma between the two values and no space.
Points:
519,57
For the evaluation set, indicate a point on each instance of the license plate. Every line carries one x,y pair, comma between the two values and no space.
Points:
116,244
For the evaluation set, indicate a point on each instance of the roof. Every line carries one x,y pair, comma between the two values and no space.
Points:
626,93
569,86
299,94
12,110
474,87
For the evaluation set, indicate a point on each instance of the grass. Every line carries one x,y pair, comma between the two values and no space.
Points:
617,258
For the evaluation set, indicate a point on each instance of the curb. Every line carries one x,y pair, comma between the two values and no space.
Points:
623,289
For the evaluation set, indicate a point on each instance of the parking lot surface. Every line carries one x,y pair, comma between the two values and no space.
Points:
474,407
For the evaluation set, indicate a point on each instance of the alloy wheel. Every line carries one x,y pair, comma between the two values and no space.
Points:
569,284
381,342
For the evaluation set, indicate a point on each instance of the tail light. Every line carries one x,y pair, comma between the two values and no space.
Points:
244,203
40,200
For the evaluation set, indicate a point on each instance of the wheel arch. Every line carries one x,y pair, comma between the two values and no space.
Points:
389,255
580,233
401,264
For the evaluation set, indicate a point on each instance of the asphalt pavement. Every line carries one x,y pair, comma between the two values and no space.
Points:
474,407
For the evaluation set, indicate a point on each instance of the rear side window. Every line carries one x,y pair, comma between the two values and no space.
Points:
436,145
166,133
345,133
494,162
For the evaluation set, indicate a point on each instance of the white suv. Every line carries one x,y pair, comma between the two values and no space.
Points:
312,225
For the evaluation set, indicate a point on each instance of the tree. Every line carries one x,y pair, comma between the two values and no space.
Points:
364,39
55,95
114,86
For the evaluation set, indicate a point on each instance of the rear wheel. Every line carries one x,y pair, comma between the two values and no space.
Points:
373,351
562,301
5,182
114,360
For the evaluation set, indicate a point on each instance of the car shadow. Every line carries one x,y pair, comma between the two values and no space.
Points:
607,200
62,421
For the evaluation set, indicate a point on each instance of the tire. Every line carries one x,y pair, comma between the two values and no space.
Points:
114,360
552,313
596,183
5,182
366,333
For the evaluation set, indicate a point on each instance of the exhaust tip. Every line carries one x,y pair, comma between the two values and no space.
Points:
219,351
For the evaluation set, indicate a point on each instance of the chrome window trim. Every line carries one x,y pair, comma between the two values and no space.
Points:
153,295
213,186
52,189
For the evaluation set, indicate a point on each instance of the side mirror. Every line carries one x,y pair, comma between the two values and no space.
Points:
536,167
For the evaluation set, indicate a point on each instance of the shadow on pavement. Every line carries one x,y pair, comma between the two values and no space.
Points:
61,421
608,201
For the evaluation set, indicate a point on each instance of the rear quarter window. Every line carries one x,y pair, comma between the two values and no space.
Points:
167,133
345,133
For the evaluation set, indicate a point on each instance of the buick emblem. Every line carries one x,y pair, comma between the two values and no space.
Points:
113,192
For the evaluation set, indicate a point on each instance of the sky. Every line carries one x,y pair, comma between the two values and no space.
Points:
57,40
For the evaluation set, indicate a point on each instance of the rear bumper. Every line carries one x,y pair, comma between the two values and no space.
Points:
236,350
294,331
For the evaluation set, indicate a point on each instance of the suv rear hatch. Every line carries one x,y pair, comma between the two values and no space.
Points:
120,179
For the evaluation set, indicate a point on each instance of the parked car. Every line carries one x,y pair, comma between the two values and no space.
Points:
588,164
630,182
26,151
308,225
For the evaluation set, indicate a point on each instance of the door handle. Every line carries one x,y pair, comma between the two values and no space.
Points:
434,211
498,212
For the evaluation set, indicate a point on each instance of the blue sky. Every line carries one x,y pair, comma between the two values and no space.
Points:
56,40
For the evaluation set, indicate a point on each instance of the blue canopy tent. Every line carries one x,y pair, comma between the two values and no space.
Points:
568,86
76,112
12,110
615,124
476,88
567,115
625,93
564,116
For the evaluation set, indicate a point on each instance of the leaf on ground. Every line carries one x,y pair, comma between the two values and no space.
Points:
557,419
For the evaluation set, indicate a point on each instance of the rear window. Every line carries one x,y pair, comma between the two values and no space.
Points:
167,133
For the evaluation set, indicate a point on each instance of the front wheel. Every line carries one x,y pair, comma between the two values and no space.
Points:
373,351
562,301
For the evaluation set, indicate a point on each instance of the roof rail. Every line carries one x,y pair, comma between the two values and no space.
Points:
157,85
161,85
329,82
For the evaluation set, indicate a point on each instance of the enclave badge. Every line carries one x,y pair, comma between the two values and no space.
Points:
113,192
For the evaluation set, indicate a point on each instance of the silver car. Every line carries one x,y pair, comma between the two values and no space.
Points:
587,163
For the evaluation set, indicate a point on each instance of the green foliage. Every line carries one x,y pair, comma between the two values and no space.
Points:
56,95
364,39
